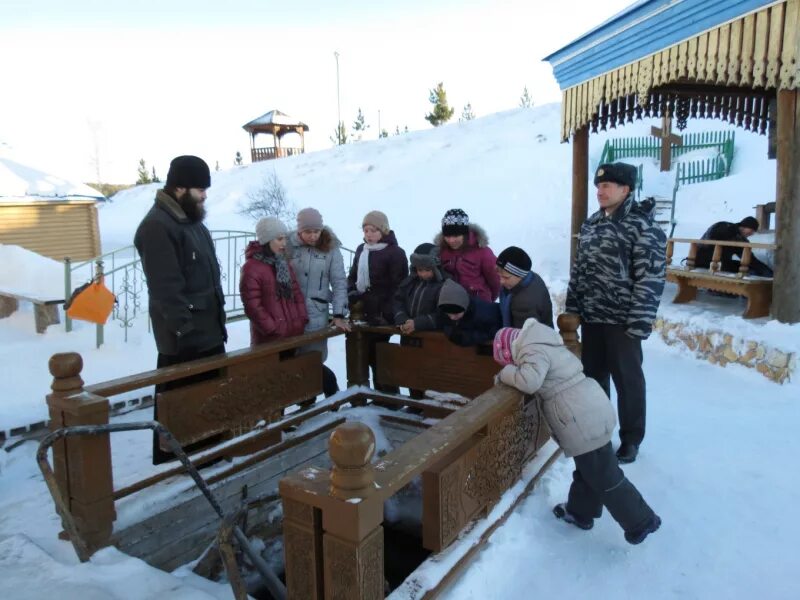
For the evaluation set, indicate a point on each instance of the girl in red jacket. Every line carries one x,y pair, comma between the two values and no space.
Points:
466,256
270,293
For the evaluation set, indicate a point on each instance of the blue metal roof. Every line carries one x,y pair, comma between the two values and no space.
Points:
643,28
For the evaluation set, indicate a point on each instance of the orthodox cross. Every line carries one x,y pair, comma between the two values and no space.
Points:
668,139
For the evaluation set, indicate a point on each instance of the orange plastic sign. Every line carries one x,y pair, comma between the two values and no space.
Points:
93,304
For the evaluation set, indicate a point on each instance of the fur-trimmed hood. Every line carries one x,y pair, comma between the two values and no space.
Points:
327,240
477,238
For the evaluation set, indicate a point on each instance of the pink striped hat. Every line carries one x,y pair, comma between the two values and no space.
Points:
502,345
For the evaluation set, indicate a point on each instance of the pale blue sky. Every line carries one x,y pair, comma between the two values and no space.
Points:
92,86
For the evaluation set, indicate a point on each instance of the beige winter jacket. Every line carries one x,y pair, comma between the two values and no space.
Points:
575,407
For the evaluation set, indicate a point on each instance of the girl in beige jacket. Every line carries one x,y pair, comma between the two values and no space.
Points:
581,421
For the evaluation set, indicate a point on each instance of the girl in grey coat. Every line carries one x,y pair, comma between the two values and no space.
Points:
581,421
317,261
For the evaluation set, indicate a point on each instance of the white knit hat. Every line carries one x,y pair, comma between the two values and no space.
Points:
268,229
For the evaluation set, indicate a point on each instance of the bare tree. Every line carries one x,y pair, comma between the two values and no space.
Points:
269,200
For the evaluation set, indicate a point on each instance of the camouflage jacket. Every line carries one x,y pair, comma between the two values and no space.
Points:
618,274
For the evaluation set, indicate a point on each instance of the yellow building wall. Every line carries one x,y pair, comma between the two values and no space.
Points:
53,229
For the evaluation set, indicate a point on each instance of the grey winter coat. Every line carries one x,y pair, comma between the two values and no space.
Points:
578,412
183,279
320,273
618,274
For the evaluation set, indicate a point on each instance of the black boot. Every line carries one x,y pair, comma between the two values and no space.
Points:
637,536
561,512
627,453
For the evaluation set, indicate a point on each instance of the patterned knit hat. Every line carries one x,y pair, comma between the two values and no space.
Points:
377,219
515,261
455,222
502,345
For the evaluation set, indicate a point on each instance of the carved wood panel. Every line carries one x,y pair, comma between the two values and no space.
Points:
244,395
436,364
354,571
302,547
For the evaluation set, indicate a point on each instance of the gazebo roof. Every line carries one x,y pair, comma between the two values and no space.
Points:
273,121
638,57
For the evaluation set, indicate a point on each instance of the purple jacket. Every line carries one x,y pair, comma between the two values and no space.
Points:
387,269
472,265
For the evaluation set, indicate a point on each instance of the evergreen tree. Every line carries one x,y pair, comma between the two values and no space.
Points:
384,134
359,127
396,130
525,100
467,114
238,160
155,177
216,166
339,136
144,173
442,112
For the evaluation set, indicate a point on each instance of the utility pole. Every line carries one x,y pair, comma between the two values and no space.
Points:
379,123
338,98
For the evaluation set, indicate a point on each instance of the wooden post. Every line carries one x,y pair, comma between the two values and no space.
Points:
82,464
786,286
568,328
580,186
357,347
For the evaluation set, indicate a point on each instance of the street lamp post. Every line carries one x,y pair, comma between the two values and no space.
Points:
338,101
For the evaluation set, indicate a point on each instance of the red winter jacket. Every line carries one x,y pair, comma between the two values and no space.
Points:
271,317
473,265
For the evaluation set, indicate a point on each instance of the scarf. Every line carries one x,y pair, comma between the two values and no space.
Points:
282,275
362,281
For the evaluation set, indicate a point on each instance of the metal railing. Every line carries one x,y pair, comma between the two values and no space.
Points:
121,271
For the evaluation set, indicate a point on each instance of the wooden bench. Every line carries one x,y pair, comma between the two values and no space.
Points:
757,290
45,311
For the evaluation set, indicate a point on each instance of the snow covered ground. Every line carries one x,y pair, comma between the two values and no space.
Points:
715,464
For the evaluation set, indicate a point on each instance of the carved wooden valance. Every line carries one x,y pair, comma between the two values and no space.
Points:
754,55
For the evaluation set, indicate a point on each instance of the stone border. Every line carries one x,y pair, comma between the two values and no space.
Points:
720,348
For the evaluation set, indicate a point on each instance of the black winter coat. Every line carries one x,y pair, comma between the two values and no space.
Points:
419,300
479,324
724,231
528,299
183,279
387,269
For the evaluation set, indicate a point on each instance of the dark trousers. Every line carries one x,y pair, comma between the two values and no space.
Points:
168,360
597,482
329,384
609,353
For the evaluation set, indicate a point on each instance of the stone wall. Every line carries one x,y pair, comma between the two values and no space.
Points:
721,348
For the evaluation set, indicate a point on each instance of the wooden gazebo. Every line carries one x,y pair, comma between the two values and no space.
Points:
277,124
731,59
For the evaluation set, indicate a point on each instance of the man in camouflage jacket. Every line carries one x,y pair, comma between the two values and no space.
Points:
615,287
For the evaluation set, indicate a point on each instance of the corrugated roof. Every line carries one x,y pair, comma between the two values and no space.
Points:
643,28
18,181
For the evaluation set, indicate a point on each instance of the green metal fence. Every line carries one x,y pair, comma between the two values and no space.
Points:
650,146
122,273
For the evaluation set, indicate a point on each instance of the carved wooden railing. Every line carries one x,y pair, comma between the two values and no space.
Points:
240,390
270,153
716,259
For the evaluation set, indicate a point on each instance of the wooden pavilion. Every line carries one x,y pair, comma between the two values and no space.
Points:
735,60
277,124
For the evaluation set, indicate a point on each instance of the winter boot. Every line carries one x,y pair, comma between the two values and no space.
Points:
561,512
627,453
638,536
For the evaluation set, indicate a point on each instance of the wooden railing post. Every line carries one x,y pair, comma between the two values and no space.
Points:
568,328
357,349
332,523
82,464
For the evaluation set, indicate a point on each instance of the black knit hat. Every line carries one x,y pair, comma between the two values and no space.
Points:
514,260
621,173
425,256
749,223
188,172
455,222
